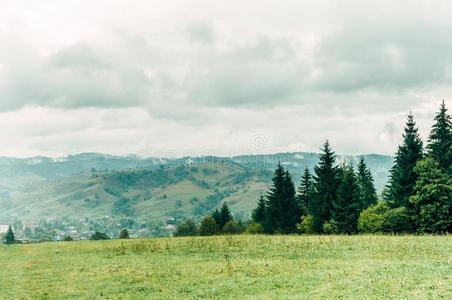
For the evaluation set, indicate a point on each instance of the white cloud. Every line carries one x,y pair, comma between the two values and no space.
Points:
206,76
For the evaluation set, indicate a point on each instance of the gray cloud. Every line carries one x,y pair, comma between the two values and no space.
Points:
324,68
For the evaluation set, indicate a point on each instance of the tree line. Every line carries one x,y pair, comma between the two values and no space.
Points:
340,198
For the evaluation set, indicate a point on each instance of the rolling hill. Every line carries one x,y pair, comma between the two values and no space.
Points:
97,185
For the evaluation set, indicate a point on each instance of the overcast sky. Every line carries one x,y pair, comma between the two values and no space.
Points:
173,78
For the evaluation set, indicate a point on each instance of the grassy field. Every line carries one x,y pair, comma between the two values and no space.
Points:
236,267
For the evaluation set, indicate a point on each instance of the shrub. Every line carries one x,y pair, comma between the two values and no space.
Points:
372,219
254,228
331,227
68,238
232,227
381,218
306,225
208,226
99,236
188,228
124,234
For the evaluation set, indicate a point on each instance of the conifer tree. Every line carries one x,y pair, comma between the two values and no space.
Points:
402,175
325,187
225,215
432,199
440,140
289,208
346,207
276,192
258,214
216,216
305,192
9,237
367,191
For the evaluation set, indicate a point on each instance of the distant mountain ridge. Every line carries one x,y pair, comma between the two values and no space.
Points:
95,185
16,173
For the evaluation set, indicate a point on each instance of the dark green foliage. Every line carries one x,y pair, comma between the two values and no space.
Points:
282,210
440,140
216,215
402,175
258,214
68,238
432,199
346,207
208,226
9,237
188,228
225,216
305,192
326,182
99,236
367,191
124,234
122,206
233,227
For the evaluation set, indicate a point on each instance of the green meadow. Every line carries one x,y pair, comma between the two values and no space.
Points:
231,267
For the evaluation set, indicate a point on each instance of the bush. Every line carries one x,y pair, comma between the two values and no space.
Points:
99,236
381,218
330,227
68,238
188,228
232,227
124,234
372,219
254,228
306,225
208,226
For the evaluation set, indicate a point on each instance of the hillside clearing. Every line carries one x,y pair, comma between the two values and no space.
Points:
231,267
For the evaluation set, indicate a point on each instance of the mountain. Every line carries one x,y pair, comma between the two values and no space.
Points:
92,185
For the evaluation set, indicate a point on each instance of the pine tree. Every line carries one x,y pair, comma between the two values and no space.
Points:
367,191
432,199
289,208
305,192
440,140
272,217
225,215
402,175
216,216
346,208
325,187
258,214
9,237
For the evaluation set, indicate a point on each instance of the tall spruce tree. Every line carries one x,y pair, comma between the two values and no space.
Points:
289,208
225,215
282,210
272,218
258,214
325,187
305,192
439,144
216,216
367,191
346,207
402,176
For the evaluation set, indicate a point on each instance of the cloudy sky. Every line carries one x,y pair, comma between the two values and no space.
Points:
173,78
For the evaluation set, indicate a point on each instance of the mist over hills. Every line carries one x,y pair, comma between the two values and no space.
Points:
92,184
